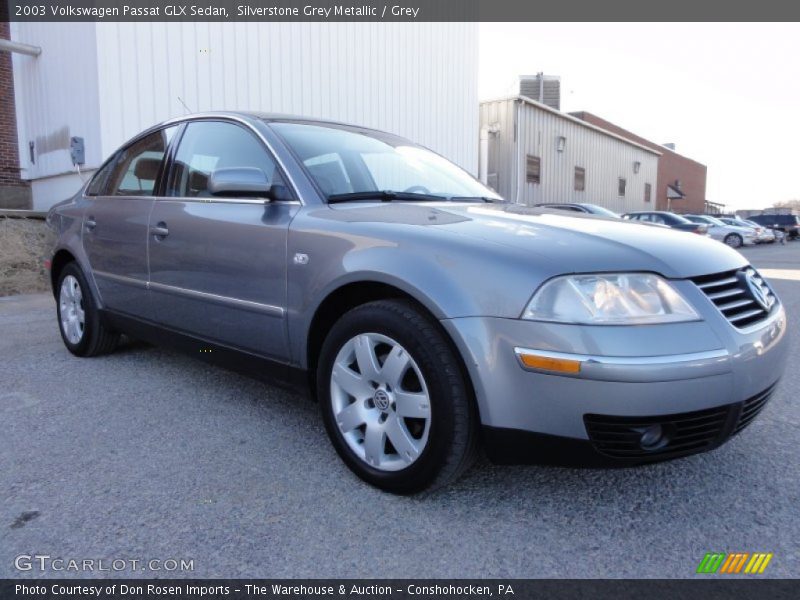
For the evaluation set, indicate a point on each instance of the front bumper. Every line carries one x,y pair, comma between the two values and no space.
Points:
630,375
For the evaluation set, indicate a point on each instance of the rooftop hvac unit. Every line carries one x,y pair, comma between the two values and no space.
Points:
542,88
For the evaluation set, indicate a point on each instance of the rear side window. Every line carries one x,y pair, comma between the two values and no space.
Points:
137,166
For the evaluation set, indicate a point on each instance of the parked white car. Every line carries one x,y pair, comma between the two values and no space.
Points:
764,235
731,235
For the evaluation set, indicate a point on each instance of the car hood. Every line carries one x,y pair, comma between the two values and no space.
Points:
561,242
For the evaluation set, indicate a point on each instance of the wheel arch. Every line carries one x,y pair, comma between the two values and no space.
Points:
60,259
356,293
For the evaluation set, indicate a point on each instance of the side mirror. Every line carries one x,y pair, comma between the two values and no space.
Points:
239,182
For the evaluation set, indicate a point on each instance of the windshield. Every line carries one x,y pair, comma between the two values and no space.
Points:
599,210
671,218
705,220
346,162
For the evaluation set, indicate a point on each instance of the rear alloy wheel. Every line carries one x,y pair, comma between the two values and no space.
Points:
70,310
79,321
734,240
394,399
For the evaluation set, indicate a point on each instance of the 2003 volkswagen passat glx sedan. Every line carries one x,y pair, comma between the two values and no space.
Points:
427,315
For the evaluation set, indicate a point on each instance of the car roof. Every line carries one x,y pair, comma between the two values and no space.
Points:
259,116
245,116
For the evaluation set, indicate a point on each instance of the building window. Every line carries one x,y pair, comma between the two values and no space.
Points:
533,166
580,179
621,187
647,192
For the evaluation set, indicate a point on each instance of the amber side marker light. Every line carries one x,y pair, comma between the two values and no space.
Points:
548,363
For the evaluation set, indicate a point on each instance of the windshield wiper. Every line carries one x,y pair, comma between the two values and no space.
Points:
384,196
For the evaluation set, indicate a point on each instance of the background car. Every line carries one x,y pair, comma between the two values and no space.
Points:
763,234
581,207
788,224
731,235
668,219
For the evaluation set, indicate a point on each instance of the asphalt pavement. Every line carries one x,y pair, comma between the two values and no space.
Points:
149,455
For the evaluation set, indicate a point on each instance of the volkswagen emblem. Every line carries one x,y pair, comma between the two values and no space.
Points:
381,399
759,290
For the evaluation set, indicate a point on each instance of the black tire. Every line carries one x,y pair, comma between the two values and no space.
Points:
734,240
452,441
97,339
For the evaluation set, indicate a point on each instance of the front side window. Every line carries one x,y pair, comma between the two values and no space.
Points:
137,166
345,160
209,145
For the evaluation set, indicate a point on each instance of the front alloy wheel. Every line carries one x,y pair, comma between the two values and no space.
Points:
380,402
394,397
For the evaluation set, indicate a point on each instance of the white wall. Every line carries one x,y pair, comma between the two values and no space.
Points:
108,81
417,80
56,96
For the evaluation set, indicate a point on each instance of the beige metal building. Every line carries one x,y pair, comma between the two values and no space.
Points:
532,153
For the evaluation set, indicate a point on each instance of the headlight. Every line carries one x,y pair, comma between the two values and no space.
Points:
609,299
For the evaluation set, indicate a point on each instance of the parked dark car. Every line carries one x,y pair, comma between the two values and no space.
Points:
788,224
581,207
669,219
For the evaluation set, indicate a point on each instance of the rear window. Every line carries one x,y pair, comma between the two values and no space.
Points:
779,219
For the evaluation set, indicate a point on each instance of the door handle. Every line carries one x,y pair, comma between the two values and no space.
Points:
160,230
90,224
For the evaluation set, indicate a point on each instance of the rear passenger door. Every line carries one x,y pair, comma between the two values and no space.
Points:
218,264
118,205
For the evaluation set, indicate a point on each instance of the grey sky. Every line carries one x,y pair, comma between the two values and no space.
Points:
728,95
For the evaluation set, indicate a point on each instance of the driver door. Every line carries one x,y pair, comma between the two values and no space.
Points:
218,264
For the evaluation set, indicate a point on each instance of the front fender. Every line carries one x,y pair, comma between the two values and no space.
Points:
449,274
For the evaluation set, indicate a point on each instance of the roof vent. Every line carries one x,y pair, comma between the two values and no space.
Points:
542,88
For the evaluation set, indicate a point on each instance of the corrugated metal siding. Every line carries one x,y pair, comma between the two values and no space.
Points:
56,96
417,80
604,157
106,82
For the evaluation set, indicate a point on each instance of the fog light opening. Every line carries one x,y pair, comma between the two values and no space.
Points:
653,437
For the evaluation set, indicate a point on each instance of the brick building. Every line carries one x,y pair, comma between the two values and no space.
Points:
681,181
14,191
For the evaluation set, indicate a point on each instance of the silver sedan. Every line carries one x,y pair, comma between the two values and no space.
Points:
733,235
426,315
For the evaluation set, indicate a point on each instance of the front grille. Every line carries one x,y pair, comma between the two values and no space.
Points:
733,296
685,433
751,407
